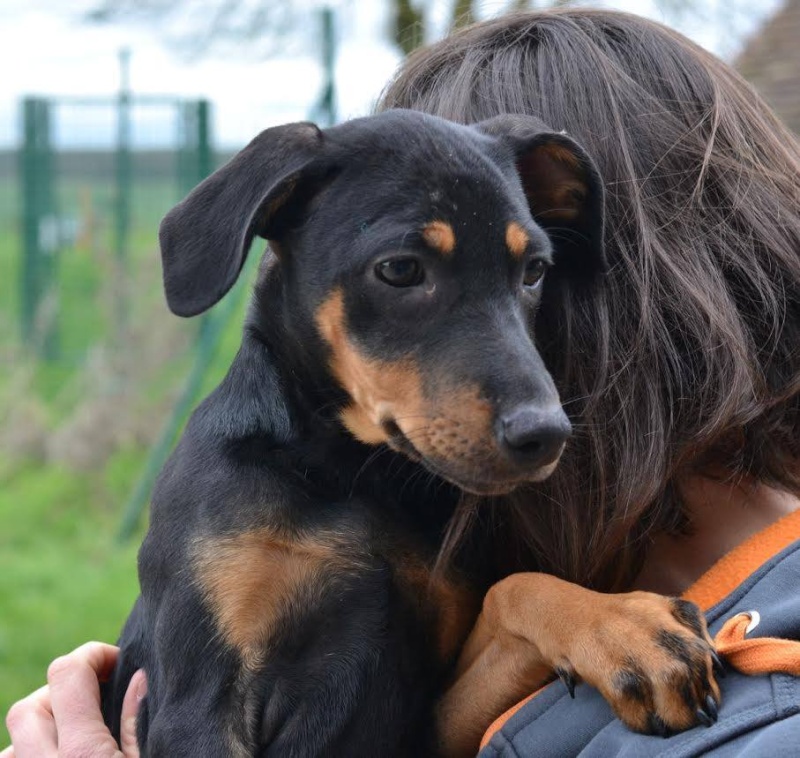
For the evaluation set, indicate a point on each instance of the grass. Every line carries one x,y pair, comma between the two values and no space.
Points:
63,578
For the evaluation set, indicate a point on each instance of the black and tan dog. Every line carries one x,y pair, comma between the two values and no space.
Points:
287,602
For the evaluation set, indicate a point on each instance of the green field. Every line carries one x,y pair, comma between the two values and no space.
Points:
64,579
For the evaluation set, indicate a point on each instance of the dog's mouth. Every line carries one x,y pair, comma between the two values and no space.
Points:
484,487
398,440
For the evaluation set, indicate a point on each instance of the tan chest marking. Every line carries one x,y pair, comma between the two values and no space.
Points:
250,579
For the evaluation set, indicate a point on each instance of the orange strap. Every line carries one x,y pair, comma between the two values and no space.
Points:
757,655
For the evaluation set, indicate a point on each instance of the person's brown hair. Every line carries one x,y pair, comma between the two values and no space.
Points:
686,356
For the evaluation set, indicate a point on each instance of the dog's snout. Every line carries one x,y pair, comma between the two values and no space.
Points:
533,434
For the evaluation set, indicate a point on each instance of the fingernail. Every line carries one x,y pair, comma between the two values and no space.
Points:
703,717
657,726
711,708
141,685
569,681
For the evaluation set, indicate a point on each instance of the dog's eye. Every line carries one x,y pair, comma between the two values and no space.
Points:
400,272
534,273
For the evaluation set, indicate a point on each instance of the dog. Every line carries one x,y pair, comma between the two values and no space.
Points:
290,600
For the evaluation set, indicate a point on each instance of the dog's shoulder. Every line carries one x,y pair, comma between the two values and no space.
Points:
230,453
251,401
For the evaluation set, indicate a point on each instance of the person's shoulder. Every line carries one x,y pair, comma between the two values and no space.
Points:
774,739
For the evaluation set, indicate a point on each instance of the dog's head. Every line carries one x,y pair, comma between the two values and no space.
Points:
413,253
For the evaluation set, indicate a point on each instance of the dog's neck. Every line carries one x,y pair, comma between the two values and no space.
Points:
722,513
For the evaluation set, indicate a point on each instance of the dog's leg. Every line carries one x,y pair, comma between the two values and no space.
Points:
302,644
650,657
494,672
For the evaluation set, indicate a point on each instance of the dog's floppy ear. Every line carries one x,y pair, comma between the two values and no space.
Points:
205,238
563,187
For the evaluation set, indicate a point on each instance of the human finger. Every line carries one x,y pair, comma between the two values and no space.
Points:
75,696
131,704
32,728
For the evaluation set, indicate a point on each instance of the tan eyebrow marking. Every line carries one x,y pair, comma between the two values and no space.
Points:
517,239
440,236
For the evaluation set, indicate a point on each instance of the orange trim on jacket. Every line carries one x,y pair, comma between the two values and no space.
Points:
500,721
745,559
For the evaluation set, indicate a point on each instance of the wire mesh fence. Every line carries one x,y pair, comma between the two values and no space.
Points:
85,338
89,214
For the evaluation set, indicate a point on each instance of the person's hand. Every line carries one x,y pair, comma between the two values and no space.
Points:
63,718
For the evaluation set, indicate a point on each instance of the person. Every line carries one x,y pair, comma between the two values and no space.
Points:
680,370
63,718
683,359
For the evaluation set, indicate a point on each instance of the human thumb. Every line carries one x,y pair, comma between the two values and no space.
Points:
137,689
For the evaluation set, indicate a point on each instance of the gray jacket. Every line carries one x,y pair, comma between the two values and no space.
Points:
759,716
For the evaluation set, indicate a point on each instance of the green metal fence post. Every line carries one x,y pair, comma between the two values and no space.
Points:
205,161
195,159
123,191
324,112
195,162
40,230
30,221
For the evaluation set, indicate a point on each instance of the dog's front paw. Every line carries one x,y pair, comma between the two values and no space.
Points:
652,659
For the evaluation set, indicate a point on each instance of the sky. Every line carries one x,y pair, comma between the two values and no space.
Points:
46,48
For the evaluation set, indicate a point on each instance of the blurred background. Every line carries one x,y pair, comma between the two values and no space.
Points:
110,111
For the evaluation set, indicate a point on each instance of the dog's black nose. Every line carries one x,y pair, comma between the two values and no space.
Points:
535,434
